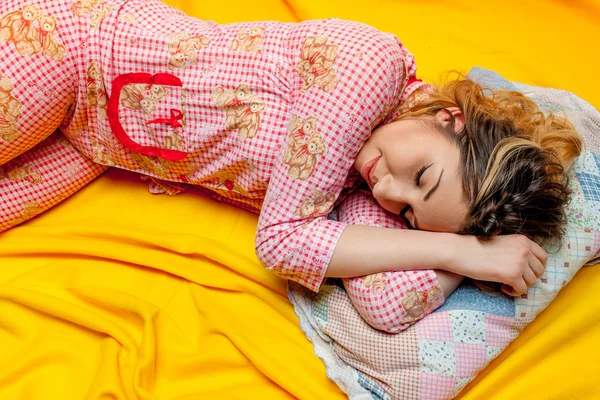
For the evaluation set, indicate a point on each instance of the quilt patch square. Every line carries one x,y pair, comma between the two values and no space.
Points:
438,328
469,358
492,352
496,332
589,184
468,326
437,357
435,387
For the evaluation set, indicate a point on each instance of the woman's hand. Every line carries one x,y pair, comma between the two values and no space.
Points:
513,260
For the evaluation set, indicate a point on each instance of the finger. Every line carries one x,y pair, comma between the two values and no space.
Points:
509,290
520,287
536,266
539,252
529,277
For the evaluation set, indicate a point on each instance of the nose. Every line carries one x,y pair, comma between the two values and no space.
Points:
389,191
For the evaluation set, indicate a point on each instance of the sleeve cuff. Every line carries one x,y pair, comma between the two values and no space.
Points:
320,251
302,253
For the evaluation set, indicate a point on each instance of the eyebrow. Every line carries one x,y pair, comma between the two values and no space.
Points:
434,188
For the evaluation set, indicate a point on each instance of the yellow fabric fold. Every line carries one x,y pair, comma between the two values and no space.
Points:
121,293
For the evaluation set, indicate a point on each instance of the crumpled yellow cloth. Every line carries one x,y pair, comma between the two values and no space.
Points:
120,293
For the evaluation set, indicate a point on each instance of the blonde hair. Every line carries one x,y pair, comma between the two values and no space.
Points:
513,161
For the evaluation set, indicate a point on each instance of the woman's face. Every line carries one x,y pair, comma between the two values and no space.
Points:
412,169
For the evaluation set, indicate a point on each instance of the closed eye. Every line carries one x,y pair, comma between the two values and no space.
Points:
420,173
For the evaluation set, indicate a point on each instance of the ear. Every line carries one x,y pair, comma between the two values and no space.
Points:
447,115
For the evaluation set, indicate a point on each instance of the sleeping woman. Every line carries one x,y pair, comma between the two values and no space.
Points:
290,121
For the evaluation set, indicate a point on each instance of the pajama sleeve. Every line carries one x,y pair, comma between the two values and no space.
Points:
388,301
42,177
347,77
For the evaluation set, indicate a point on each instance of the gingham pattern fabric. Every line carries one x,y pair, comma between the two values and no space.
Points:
32,82
388,301
436,357
271,122
41,178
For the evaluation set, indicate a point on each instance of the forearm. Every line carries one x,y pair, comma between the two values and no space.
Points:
365,250
448,281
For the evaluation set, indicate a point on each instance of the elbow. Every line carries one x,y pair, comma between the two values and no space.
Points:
387,310
412,308
388,314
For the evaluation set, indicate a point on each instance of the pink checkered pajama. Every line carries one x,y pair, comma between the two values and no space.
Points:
268,116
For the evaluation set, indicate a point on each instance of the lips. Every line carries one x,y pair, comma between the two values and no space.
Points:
368,169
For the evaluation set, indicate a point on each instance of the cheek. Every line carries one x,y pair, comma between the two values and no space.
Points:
387,205
437,226
442,218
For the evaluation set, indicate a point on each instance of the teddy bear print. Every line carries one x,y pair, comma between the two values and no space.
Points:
248,120
16,171
18,27
82,7
159,186
101,156
129,18
300,131
95,8
30,210
419,96
103,148
303,147
141,96
228,180
96,91
226,177
10,110
154,165
316,205
375,282
98,15
230,101
242,109
48,39
182,49
174,142
381,116
248,40
418,302
316,64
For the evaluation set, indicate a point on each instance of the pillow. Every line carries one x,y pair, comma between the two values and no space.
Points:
440,354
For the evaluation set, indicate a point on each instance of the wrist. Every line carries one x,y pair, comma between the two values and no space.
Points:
453,252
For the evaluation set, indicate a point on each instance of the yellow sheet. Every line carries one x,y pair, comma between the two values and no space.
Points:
118,294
